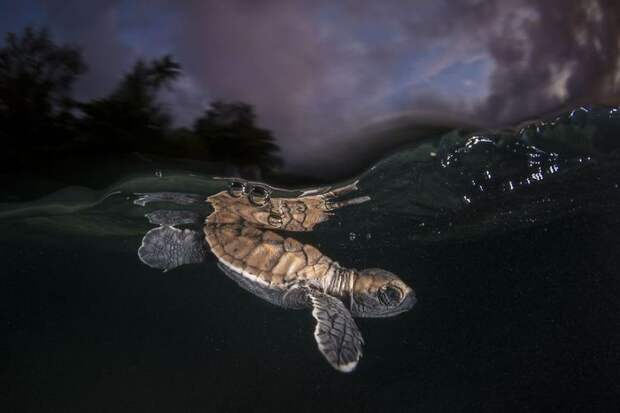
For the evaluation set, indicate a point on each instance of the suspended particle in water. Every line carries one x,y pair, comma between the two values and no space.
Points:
352,236
159,173
368,235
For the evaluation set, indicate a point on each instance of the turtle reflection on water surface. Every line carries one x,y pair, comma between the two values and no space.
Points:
277,268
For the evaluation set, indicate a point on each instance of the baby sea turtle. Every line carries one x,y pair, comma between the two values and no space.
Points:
280,269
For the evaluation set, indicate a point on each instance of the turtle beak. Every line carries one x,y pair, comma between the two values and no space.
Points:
408,302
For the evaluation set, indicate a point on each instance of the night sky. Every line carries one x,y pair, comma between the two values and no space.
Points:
317,71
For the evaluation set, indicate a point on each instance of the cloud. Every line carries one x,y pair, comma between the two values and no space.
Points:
317,71
554,53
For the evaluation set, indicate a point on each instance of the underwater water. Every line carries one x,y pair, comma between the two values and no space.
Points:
509,238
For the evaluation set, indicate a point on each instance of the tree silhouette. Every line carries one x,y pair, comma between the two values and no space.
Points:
131,118
40,128
36,77
231,135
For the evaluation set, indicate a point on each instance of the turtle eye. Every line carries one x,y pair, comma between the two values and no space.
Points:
390,295
236,189
259,196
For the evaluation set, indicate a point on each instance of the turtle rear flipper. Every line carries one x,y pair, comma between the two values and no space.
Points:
336,333
168,247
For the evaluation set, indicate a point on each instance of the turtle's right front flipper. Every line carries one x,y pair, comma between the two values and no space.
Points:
168,247
336,333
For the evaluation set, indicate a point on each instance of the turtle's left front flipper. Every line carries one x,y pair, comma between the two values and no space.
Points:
336,333
168,247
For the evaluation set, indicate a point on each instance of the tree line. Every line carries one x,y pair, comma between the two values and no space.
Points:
40,118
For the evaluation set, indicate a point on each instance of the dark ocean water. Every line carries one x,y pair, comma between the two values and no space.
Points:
509,238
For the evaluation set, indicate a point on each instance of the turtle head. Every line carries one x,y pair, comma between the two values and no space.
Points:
379,293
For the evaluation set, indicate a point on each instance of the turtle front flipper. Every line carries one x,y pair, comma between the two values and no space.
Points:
168,247
336,333
330,198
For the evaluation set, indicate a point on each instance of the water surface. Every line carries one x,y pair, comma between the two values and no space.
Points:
509,239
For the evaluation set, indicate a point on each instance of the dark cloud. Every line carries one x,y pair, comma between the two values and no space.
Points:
554,53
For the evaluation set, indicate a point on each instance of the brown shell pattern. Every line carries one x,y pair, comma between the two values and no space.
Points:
241,237
266,256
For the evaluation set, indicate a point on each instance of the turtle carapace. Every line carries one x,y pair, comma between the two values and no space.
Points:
247,233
